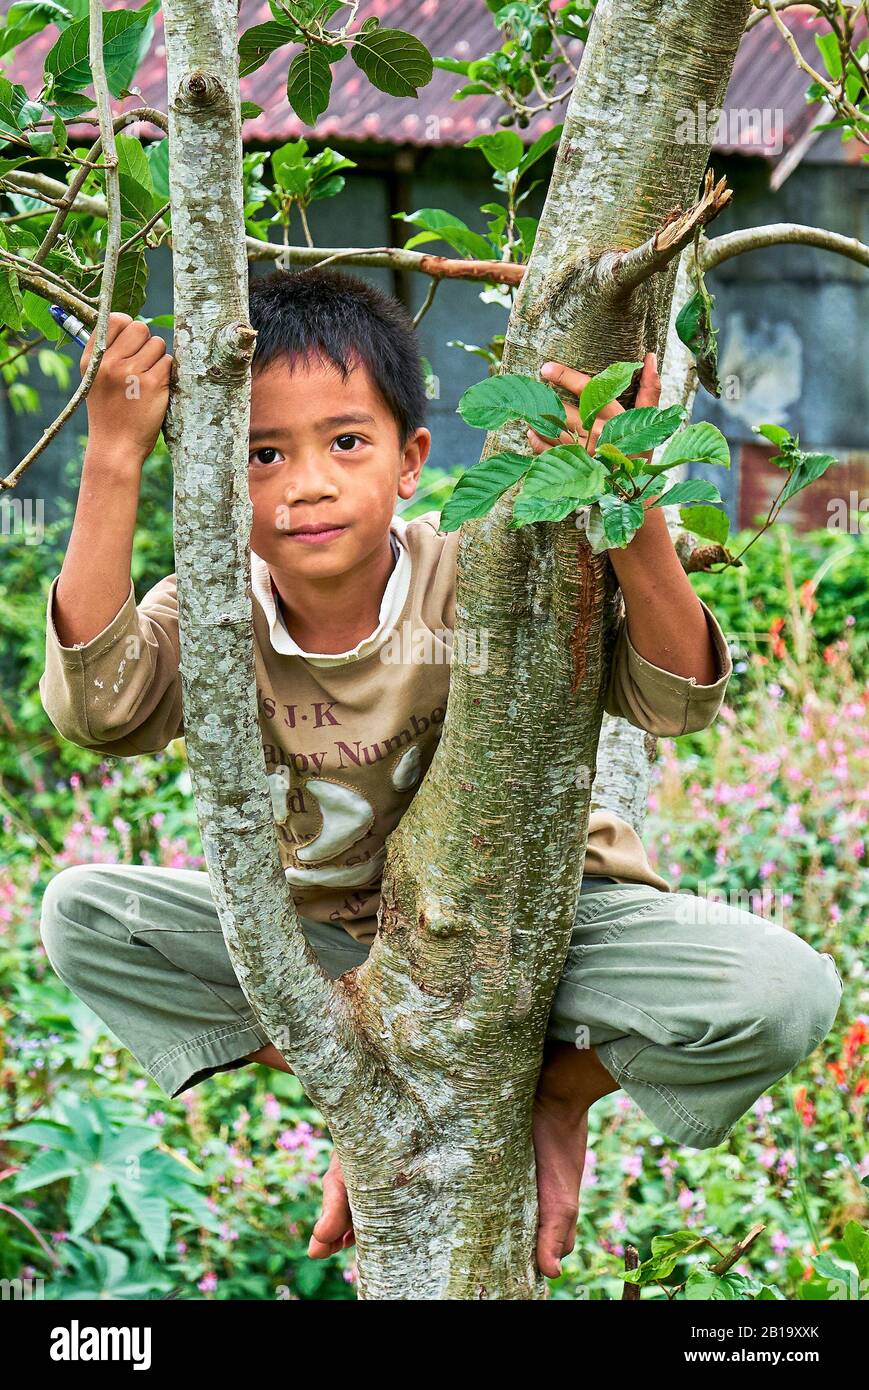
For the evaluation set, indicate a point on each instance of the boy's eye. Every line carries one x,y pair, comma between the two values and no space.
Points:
258,456
344,438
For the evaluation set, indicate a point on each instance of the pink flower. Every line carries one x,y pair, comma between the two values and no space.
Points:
208,1283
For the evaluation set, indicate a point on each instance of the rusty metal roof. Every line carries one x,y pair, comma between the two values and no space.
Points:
765,80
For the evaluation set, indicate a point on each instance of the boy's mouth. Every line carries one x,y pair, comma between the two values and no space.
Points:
316,534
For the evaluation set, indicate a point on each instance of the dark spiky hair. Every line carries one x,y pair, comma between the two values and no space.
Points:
341,319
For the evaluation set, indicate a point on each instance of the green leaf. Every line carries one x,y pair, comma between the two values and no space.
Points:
808,470
527,509
157,155
644,428
150,1213
621,520
540,148
503,149
695,328
89,1194
259,43
445,226
700,443
491,403
616,458
11,303
776,434
131,277
393,61
605,387
708,522
134,178
478,489
828,47
67,64
43,1169
689,490
28,18
566,471
250,110
309,84
36,313
857,1244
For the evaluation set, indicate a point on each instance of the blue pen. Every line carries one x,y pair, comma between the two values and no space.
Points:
70,324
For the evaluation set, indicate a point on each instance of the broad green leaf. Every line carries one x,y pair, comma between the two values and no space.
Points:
493,402
89,1194
503,149
477,490
309,84
621,520
250,110
689,490
393,61
700,443
47,1133
27,18
157,154
527,509
36,313
150,1213
134,178
808,470
639,430
605,387
708,522
259,43
43,1169
67,64
566,471
540,147
445,226
131,277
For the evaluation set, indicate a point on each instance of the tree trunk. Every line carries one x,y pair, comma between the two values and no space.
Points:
424,1060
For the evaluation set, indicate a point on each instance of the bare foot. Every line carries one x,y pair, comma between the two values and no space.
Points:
560,1139
333,1230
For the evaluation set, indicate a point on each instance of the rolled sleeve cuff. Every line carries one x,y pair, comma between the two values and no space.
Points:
684,702
83,653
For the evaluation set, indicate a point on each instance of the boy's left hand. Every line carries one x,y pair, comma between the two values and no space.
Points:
556,374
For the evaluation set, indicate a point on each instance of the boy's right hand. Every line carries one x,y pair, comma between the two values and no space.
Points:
127,401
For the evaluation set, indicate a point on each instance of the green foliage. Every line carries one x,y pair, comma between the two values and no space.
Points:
393,60
609,483
695,328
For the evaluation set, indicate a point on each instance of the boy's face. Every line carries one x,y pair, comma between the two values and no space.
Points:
324,451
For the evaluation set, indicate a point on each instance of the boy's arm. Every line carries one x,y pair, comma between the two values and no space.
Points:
671,663
119,693
110,669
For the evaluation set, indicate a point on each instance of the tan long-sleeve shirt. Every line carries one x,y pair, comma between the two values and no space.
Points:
347,737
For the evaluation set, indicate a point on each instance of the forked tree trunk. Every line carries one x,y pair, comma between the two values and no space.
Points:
424,1060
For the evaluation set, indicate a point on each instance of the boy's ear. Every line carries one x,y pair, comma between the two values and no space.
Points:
416,451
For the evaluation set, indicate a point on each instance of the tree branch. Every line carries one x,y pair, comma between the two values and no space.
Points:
720,249
619,272
113,239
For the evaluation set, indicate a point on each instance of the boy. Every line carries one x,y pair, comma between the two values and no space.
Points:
695,1015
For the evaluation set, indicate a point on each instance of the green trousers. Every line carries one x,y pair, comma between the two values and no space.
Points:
694,1007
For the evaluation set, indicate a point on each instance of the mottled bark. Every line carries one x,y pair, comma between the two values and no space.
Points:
424,1060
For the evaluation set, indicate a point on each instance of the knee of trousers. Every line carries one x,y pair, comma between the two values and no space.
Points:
60,924
795,993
